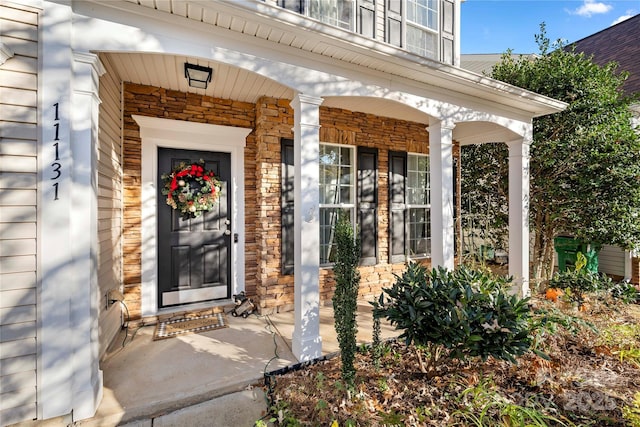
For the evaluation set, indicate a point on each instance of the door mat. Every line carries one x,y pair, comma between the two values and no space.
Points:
189,325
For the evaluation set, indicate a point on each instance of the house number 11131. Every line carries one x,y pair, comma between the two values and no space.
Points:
56,166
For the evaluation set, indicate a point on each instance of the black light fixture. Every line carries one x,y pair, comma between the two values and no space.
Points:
198,76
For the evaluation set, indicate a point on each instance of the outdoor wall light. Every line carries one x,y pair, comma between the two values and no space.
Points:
198,76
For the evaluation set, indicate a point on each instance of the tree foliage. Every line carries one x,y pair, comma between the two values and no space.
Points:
585,161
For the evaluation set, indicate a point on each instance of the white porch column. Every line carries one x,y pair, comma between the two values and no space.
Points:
87,376
307,343
69,379
519,213
442,209
55,263
628,270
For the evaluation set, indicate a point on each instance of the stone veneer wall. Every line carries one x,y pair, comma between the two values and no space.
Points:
169,104
272,120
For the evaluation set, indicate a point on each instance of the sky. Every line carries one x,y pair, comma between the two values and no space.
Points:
493,26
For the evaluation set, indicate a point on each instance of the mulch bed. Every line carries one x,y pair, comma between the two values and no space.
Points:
585,383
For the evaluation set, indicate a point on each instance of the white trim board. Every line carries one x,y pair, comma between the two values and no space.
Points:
157,132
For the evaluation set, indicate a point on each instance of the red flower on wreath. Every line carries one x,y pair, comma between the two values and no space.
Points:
191,190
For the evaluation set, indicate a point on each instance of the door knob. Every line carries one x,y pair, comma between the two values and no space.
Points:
227,221
227,232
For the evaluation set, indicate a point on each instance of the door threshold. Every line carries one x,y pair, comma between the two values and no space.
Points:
190,310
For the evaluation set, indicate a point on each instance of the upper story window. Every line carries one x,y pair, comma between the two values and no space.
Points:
422,27
338,13
413,25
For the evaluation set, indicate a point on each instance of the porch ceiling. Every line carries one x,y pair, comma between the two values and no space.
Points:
167,71
228,82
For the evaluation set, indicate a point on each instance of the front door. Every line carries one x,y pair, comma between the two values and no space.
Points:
194,258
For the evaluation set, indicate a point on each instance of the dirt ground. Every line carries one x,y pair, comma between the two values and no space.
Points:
590,379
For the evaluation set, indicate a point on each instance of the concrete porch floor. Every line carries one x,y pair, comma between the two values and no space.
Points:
206,378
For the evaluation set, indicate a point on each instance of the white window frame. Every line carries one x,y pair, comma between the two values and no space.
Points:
409,206
343,206
432,32
312,5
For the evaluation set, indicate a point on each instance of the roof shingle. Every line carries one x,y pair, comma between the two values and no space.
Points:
619,43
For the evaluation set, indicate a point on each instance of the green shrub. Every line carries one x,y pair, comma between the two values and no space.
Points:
456,314
482,405
376,344
579,282
625,292
632,413
548,321
623,340
345,298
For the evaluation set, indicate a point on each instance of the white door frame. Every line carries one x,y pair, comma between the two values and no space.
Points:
157,132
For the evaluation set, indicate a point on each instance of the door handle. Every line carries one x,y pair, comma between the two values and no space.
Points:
227,232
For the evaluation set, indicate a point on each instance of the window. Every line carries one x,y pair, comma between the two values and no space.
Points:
409,24
338,13
413,24
423,13
418,198
348,181
367,18
337,193
287,207
422,27
409,200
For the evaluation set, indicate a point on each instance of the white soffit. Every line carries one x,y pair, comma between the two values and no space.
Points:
167,71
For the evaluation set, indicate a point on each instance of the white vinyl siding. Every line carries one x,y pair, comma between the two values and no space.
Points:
18,204
611,260
380,24
109,202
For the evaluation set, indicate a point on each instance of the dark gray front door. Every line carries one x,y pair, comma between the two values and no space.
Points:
194,259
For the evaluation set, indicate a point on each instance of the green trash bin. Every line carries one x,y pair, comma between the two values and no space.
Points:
567,249
487,253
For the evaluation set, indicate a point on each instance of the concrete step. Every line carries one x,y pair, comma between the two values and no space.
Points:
240,409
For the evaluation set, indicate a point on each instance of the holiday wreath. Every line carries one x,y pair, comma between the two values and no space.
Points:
191,190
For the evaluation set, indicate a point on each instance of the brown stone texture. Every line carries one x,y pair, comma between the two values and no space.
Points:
635,270
169,104
271,119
